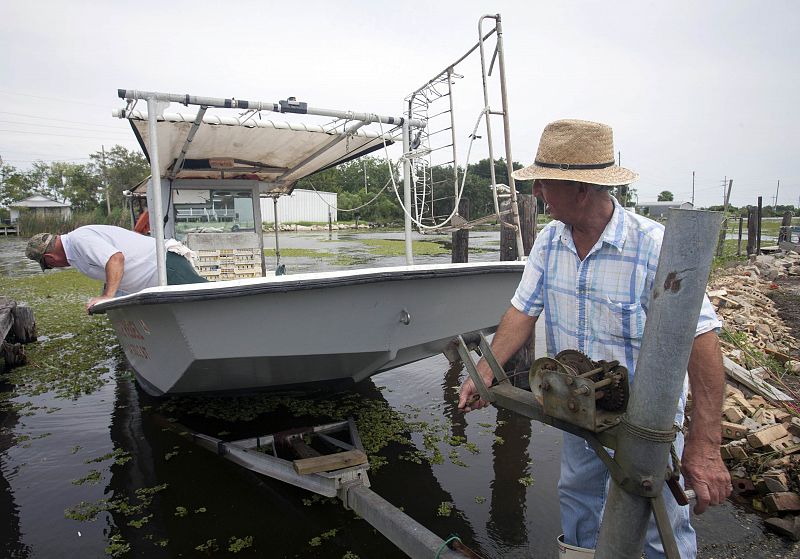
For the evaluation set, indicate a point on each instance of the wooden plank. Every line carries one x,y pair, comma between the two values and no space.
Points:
330,462
757,385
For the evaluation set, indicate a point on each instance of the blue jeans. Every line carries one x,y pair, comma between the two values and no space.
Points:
583,488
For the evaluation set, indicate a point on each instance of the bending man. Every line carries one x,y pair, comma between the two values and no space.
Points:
590,272
125,260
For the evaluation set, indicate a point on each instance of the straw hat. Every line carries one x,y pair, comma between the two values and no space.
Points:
577,150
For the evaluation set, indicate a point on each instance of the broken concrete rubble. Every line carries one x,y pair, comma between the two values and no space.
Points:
761,423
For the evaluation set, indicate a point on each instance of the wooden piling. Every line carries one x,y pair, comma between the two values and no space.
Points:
739,243
460,238
758,232
751,230
527,218
17,327
786,223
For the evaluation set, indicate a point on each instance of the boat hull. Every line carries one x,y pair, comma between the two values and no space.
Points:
276,332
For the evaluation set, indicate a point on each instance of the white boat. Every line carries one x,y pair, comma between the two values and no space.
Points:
287,330
283,330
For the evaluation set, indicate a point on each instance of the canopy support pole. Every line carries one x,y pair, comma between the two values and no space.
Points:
407,192
155,177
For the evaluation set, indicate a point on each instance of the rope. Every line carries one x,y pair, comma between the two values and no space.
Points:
349,209
446,543
676,463
652,435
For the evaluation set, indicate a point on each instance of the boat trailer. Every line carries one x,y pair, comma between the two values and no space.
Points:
340,472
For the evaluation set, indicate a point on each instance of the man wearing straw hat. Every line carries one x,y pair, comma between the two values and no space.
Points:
590,272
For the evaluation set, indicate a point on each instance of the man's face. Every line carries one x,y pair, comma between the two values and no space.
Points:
561,197
54,260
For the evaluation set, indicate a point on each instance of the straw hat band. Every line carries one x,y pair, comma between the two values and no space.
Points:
576,166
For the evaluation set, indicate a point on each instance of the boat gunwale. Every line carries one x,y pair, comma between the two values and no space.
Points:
154,296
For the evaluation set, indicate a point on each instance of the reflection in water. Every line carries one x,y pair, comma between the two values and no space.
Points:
509,486
450,386
11,545
223,501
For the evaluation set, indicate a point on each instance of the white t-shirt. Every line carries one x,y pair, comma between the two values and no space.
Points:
89,248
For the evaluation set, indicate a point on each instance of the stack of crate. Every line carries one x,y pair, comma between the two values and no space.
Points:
228,263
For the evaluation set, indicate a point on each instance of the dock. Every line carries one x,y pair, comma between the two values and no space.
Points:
9,229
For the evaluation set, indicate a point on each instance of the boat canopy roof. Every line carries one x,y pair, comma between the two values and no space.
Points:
250,147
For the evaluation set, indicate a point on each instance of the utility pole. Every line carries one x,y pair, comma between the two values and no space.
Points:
724,230
775,205
105,181
365,175
693,189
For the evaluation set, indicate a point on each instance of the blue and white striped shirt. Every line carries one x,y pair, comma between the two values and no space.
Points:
599,305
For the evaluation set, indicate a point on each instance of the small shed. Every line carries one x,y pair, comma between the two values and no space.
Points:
659,209
40,206
301,205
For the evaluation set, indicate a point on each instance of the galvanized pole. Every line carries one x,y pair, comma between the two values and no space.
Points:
407,191
155,179
680,284
501,65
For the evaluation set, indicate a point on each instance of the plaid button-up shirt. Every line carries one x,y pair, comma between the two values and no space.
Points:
598,305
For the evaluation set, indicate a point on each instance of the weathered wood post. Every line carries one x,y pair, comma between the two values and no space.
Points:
758,233
521,361
751,230
786,223
527,210
460,238
14,332
739,243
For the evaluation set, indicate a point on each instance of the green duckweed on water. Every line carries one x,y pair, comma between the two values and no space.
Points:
395,247
75,352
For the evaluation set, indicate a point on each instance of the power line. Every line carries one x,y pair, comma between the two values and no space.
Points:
59,99
60,127
55,119
59,135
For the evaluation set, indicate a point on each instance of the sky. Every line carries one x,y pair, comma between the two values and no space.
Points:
706,87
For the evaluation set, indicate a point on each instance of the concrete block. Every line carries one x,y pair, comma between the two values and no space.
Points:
765,435
733,430
789,526
785,501
734,414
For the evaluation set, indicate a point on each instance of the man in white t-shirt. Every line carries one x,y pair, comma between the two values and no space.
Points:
125,260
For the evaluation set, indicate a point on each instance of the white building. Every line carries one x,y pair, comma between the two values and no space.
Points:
40,206
301,205
659,209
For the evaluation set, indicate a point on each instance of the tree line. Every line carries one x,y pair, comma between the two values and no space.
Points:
82,185
364,186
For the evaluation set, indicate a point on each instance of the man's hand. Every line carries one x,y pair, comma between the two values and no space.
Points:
469,398
514,330
94,300
705,472
702,464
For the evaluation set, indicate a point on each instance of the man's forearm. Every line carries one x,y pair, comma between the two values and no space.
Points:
513,332
707,381
115,268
